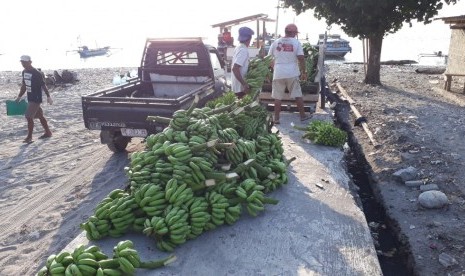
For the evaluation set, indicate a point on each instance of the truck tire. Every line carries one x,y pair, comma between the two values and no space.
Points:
115,141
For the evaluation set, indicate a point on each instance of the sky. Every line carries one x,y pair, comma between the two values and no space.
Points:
59,23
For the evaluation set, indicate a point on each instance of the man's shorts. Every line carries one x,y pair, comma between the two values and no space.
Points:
34,110
280,85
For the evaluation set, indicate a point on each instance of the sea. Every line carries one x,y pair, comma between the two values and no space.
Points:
55,47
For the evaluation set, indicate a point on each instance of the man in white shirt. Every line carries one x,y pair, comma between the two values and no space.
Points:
289,64
240,63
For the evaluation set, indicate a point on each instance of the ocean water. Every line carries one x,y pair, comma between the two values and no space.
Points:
126,27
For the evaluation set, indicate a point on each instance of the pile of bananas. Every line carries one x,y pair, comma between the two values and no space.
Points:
196,175
91,261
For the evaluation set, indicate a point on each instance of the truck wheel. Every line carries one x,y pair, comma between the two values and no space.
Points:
116,142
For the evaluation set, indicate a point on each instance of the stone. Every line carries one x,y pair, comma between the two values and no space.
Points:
413,183
429,187
447,260
406,174
433,199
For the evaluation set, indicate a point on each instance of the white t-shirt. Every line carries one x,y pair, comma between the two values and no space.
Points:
241,58
285,51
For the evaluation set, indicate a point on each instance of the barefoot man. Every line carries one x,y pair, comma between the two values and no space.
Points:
33,84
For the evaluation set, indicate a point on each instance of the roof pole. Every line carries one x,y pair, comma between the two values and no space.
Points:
277,16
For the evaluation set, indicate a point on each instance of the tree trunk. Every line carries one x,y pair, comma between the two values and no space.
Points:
375,43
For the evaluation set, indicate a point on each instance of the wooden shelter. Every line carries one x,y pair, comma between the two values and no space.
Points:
259,18
456,59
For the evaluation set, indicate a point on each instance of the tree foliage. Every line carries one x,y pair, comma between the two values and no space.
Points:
370,19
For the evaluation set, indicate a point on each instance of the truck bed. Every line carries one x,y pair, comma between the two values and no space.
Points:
129,105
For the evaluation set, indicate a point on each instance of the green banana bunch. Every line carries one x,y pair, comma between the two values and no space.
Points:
151,199
177,194
198,216
217,204
253,197
121,215
178,226
232,214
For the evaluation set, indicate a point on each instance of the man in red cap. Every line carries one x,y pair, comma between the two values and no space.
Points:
289,64
33,84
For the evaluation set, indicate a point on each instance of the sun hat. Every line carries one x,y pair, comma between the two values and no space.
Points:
291,28
245,33
25,58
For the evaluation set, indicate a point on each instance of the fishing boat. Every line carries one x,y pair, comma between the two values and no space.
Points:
85,51
335,45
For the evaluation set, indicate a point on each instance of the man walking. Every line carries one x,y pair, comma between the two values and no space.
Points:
33,83
288,58
240,63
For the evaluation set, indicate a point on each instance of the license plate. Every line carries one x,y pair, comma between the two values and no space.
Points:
131,132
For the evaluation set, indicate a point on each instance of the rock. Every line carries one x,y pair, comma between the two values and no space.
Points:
413,183
433,199
447,260
429,187
406,174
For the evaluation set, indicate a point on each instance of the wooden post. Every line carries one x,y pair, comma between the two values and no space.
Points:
357,115
448,82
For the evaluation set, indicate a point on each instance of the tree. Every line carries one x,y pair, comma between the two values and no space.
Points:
371,20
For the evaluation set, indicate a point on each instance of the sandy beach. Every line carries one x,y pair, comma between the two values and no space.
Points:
50,186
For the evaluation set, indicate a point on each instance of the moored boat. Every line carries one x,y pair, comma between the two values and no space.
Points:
84,51
335,45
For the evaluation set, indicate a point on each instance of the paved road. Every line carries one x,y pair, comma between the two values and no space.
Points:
316,229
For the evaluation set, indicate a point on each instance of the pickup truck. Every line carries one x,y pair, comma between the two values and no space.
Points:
173,72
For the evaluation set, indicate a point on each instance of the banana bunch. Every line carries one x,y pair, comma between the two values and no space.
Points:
121,215
227,188
200,127
258,72
180,136
180,120
252,122
82,261
96,228
252,195
163,170
235,155
99,225
228,135
198,216
217,204
151,199
196,140
198,167
176,194
91,261
176,219
247,148
177,153
141,167
225,121
156,226
127,257
226,99
233,214
279,169
271,145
